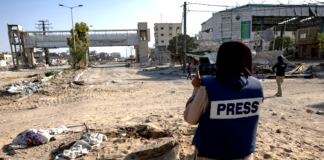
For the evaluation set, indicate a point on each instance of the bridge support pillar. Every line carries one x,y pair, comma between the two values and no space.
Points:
30,56
142,50
47,59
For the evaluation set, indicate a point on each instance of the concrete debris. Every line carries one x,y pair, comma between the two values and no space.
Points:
154,149
79,82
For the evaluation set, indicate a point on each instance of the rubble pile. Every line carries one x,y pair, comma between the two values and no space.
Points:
24,86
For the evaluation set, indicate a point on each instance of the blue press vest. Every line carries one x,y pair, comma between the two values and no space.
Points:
227,129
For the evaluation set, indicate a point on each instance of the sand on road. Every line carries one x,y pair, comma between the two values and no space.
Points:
117,98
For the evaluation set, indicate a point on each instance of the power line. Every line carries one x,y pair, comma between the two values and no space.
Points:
42,25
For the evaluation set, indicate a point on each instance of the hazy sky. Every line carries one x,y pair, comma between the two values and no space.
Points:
107,14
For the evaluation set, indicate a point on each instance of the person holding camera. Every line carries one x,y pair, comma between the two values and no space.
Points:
280,67
226,106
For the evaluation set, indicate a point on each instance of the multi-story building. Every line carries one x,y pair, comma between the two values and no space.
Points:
115,55
5,56
103,56
163,33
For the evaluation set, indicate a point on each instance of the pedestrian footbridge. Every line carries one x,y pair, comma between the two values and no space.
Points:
98,38
23,43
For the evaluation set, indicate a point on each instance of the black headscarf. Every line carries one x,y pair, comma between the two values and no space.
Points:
234,59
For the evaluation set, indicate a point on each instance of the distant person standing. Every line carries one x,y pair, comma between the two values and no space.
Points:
280,67
189,71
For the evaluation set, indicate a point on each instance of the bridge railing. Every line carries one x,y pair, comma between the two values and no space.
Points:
93,35
56,38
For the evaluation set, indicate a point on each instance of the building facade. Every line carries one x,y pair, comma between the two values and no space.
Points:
307,43
6,56
163,33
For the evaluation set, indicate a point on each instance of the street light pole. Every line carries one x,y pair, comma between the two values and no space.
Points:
89,46
73,35
73,30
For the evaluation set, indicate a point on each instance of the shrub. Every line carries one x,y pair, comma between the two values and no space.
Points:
50,73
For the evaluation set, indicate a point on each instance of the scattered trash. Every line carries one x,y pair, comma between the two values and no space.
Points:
320,112
59,130
123,134
87,143
71,84
15,90
31,137
46,78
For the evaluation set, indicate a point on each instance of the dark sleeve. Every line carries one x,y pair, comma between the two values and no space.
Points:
273,67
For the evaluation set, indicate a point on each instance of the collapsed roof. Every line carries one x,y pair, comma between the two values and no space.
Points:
293,16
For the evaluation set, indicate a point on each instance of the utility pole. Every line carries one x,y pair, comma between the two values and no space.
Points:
42,27
185,36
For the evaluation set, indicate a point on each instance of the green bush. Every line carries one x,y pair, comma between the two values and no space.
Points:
50,73
287,42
